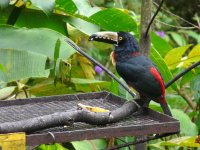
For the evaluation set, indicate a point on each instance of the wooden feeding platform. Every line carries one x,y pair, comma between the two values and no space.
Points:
139,123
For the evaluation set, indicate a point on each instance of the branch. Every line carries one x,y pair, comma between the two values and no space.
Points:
177,27
182,19
68,118
187,98
154,16
181,74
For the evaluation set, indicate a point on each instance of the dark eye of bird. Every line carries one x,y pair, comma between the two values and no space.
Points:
120,38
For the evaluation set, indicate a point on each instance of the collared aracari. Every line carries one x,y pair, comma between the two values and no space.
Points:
136,69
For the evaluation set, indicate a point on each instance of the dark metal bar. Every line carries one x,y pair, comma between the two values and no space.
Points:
102,132
141,141
181,74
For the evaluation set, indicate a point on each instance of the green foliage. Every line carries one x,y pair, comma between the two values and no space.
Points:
114,20
37,40
89,144
162,66
174,56
160,44
37,19
51,147
66,6
195,84
123,140
7,91
46,6
35,57
180,41
188,128
13,60
185,141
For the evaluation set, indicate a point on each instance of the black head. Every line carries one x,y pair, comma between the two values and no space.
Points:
123,41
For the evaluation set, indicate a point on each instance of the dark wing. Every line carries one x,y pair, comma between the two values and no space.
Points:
136,72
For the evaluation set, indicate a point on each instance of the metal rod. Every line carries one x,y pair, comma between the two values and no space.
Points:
71,43
141,141
181,74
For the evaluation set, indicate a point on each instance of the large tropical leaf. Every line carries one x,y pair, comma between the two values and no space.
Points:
90,144
193,56
160,44
82,25
178,38
162,66
114,20
46,6
173,57
37,19
67,6
21,64
37,40
188,128
4,3
84,8
185,141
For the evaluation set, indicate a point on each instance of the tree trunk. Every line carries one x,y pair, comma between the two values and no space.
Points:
146,9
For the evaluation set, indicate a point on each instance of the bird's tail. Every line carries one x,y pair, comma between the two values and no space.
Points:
165,107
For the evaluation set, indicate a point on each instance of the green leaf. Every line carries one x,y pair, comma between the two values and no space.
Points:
187,77
56,62
124,93
162,66
192,34
90,144
55,146
185,141
155,106
160,44
4,3
195,84
57,50
178,38
37,19
2,68
6,92
114,20
46,88
82,25
86,81
67,6
37,40
21,65
176,101
193,56
84,8
46,6
188,128
123,140
173,57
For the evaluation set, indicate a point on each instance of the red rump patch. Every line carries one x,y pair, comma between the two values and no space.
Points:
135,54
158,77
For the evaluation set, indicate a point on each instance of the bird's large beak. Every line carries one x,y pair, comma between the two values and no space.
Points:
106,37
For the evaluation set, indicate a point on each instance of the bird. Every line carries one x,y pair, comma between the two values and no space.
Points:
137,70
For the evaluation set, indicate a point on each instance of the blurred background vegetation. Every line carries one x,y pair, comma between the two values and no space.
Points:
35,60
